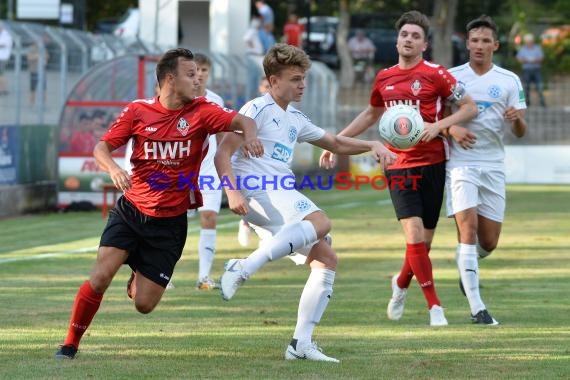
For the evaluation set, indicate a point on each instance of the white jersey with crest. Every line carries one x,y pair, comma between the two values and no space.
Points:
278,130
493,92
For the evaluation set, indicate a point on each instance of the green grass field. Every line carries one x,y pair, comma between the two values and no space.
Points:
196,335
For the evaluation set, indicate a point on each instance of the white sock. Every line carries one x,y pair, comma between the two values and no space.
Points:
206,251
481,252
291,238
469,271
314,300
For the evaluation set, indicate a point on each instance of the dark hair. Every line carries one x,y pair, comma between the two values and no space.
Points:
202,59
483,21
168,63
415,18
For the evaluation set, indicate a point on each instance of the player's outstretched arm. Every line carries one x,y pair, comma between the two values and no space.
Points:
120,177
362,122
348,145
222,160
251,146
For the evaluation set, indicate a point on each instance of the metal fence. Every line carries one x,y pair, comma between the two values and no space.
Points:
66,55
70,54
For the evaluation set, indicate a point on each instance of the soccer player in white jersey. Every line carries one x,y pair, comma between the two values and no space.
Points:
475,172
286,220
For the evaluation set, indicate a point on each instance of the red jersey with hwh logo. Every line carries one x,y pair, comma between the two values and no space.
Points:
168,148
425,87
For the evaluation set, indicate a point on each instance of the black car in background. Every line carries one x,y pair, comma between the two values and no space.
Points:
322,43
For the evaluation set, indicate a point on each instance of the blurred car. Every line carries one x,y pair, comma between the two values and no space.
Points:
320,41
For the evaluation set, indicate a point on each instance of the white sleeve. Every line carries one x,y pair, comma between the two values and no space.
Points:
516,95
309,131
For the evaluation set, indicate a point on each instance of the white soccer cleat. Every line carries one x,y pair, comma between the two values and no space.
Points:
436,316
309,352
396,305
232,278
243,233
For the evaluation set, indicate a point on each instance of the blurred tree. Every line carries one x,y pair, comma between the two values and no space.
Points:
442,23
98,10
347,74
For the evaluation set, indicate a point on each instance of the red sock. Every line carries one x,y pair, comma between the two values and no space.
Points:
406,275
417,257
86,305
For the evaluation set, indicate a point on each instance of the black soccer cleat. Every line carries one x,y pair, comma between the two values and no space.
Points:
66,352
484,318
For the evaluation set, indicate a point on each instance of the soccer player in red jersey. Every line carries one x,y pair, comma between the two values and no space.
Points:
427,87
147,228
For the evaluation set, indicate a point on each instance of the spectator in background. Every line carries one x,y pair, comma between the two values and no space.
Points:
5,53
267,38
361,47
251,37
254,52
82,139
362,51
530,56
293,31
35,61
266,14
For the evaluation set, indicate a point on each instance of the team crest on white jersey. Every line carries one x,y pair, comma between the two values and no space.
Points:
183,126
292,134
302,205
416,87
494,91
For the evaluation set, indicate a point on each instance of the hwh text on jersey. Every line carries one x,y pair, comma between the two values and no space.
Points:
166,149
409,102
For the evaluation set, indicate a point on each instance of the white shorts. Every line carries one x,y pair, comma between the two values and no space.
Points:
209,183
212,201
270,210
470,186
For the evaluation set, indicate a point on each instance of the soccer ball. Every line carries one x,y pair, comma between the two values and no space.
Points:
401,126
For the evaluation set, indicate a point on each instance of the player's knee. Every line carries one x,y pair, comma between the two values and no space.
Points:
144,307
208,219
485,249
322,225
331,260
100,281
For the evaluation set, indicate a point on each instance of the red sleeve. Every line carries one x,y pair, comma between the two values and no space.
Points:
121,130
215,118
445,82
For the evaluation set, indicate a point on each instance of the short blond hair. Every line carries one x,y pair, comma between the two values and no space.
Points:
281,56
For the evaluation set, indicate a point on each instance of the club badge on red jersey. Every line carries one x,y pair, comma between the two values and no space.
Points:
416,87
183,126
